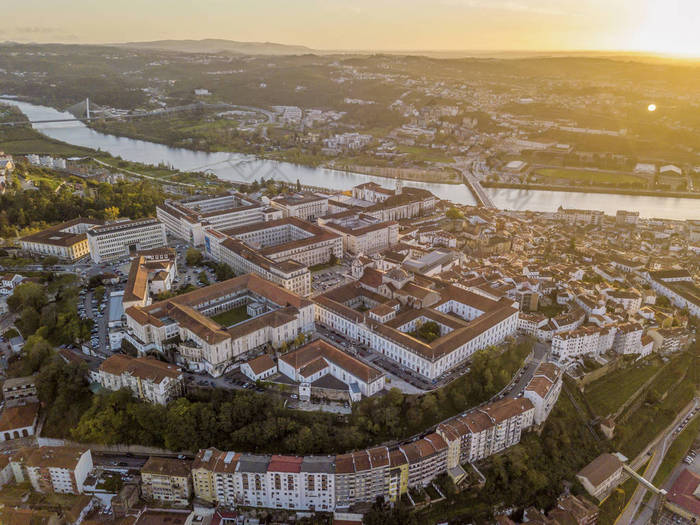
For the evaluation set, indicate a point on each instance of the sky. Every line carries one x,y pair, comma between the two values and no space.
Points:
663,26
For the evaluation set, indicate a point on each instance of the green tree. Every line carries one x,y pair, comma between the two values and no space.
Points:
27,295
193,257
99,293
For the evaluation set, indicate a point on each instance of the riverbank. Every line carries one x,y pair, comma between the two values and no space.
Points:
197,136
592,189
405,174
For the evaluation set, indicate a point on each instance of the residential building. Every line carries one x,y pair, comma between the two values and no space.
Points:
53,469
148,379
543,390
18,421
166,480
670,340
628,338
678,287
124,237
67,241
574,217
19,389
626,218
186,219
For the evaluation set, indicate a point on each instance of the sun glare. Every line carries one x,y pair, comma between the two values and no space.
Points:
651,107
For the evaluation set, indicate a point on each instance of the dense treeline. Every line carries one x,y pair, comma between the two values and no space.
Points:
34,209
50,310
533,472
248,421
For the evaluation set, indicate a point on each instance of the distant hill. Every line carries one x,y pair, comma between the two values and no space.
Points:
213,45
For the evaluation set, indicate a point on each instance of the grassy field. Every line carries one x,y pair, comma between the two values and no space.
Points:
677,451
647,421
21,140
608,394
589,177
232,316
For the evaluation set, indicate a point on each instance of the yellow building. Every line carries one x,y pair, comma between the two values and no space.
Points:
67,241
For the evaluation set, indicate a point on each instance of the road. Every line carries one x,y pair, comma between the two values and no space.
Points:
658,449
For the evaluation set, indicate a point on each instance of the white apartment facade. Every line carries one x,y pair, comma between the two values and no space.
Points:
149,380
53,469
306,206
188,219
119,239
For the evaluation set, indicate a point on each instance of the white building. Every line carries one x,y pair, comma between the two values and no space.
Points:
678,287
53,469
187,324
628,339
125,237
67,241
150,380
468,322
319,358
259,368
306,206
543,390
187,219
361,233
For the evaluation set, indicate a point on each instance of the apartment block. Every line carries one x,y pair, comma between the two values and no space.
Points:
167,480
53,469
125,237
148,379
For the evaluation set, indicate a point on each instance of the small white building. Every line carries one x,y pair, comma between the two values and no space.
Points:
259,368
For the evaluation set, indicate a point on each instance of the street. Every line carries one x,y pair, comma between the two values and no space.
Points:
658,449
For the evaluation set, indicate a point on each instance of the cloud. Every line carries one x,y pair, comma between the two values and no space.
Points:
520,6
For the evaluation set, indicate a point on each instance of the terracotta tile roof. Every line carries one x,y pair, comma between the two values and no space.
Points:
142,367
20,416
261,364
167,467
291,464
320,350
600,469
683,492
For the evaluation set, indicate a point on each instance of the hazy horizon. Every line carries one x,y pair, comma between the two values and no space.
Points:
477,26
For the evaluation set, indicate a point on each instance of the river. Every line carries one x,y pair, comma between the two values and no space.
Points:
243,168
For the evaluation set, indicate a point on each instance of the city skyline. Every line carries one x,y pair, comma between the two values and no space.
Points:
654,26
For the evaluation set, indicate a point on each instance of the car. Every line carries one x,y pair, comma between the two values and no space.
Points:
294,396
181,456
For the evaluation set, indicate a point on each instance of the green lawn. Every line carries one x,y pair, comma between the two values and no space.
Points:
646,422
232,316
677,451
589,177
607,394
